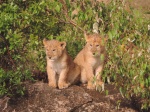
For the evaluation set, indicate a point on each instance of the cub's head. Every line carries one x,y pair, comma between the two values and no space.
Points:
95,44
54,48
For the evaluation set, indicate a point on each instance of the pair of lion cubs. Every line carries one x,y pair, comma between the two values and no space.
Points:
63,71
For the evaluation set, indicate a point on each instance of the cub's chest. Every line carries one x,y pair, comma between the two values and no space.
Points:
57,66
94,61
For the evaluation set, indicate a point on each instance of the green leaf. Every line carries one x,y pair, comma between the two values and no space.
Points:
58,8
106,92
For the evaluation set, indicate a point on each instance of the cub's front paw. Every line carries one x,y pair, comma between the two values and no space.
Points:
63,85
52,84
90,85
100,83
100,86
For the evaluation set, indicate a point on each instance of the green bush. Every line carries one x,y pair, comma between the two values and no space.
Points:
128,54
25,23
11,81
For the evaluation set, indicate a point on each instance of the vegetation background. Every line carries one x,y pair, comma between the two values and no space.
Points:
24,24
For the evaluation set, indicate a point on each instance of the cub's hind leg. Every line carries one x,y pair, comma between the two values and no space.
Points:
74,75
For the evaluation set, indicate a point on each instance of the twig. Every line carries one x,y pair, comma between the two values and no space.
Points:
67,17
8,51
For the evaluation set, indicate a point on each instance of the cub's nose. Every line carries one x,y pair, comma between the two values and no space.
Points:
49,57
94,54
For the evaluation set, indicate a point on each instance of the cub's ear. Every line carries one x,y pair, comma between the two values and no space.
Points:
86,36
44,41
63,44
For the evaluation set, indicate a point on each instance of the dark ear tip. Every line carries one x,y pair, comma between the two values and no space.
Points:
63,44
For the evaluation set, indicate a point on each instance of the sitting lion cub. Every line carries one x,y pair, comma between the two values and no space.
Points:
60,67
91,60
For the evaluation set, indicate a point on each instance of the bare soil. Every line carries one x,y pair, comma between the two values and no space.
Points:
42,98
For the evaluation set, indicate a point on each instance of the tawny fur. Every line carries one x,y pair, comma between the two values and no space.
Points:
61,70
91,60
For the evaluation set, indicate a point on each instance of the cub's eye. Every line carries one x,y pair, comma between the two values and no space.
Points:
91,45
97,45
53,49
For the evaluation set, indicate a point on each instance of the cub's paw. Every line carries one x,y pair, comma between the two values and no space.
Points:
100,83
52,84
90,85
100,86
63,85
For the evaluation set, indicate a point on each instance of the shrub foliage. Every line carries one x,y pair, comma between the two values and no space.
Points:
24,24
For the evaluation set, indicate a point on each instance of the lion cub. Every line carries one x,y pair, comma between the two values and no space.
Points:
91,60
61,69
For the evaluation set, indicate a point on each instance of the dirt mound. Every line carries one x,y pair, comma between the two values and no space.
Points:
42,98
